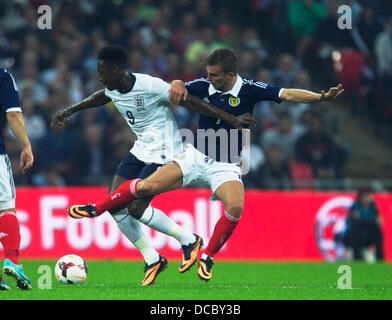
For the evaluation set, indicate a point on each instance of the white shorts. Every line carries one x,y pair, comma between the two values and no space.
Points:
7,185
197,166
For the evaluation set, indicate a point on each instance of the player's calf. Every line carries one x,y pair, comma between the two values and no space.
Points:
222,232
138,207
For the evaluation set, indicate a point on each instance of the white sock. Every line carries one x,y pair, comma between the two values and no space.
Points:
149,253
204,256
157,220
132,230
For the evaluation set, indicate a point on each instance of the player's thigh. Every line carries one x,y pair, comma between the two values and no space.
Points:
232,194
130,168
166,178
7,185
225,182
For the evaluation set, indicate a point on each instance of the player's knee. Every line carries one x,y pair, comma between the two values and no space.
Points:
146,188
235,209
136,209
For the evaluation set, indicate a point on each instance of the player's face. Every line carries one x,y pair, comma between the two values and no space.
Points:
220,80
107,75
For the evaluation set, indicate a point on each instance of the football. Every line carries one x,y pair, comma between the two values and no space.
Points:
71,269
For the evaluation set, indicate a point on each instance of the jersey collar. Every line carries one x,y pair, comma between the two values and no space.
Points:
234,91
133,81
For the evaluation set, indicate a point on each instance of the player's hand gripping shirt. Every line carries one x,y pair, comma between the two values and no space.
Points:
146,109
9,99
239,100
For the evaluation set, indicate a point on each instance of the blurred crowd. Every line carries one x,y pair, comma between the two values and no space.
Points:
287,43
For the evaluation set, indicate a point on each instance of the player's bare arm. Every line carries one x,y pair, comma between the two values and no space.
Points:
97,99
305,96
18,127
195,104
179,95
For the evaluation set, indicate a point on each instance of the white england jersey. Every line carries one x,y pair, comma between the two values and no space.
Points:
146,109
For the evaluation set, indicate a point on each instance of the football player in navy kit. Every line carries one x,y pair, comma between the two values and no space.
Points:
9,224
224,88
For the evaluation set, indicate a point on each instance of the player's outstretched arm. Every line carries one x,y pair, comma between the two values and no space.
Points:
97,99
18,127
305,96
195,104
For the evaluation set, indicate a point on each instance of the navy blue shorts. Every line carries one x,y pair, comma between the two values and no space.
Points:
132,168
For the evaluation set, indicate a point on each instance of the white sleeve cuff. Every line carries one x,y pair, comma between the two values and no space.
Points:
16,109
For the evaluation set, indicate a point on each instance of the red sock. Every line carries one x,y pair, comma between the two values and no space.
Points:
122,195
222,231
10,235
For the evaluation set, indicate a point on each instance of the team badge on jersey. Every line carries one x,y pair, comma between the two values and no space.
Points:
234,101
139,103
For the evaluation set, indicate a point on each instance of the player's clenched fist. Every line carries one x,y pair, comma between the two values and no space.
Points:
61,118
244,120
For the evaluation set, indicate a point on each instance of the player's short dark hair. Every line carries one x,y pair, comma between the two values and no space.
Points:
114,54
224,58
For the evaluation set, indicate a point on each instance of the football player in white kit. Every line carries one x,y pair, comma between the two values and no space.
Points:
224,88
144,102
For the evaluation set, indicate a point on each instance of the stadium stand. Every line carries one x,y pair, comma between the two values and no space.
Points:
55,68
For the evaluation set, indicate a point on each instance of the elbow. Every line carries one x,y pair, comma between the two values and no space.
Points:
286,96
13,115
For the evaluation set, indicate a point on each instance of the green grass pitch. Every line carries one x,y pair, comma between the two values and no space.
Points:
119,280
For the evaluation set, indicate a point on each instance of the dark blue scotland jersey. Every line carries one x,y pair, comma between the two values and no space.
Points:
9,99
239,100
